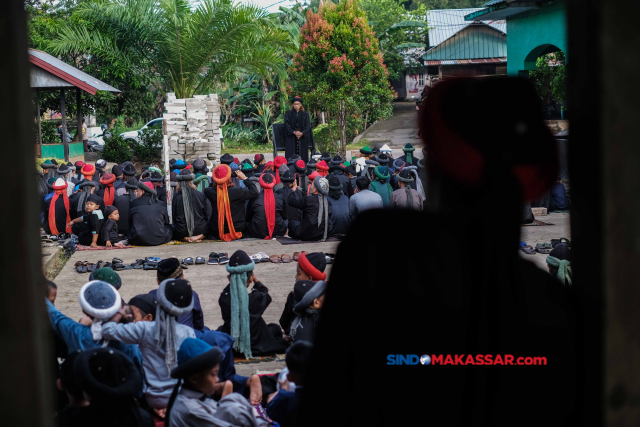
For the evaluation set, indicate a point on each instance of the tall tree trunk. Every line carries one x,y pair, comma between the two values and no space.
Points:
330,131
343,129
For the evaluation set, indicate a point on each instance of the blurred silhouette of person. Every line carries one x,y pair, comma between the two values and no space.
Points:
463,292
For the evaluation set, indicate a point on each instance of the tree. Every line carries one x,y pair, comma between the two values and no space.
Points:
550,78
340,67
183,46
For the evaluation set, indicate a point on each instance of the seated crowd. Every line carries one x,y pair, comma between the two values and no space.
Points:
261,199
153,358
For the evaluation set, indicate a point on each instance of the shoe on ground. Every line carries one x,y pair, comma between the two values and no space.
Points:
213,259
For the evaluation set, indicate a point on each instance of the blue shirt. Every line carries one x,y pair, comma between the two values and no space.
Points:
193,319
79,337
559,196
282,409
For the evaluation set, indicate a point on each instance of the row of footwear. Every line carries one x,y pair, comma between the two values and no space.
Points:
215,258
543,248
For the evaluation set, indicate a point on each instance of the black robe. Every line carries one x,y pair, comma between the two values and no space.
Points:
287,314
308,228
257,218
61,215
149,223
199,207
414,159
237,198
340,218
305,328
344,180
289,212
73,207
297,121
122,203
91,225
109,233
262,340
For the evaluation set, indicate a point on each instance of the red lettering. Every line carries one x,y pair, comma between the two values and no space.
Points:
519,360
479,359
458,359
436,359
540,361
508,359
488,359
498,360
448,360
469,360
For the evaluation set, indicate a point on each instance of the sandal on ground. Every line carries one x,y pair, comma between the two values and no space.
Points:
264,257
118,266
199,260
528,250
81,266
91,267
285,258
183,265
99,264
223,258
275,259
213,258
329,257
188,261
116,261
297,254
153,258
128,267
151,265
255,258
556,242
108,265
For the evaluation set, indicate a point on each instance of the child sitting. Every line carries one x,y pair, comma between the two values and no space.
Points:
109,233
197,375
93,221
310,267
284,404
311,300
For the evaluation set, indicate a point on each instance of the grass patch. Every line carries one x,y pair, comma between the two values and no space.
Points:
358,145
245,146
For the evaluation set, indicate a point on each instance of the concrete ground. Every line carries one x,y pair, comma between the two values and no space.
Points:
398,130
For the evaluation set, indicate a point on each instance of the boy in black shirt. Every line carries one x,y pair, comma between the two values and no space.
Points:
93,221
109,234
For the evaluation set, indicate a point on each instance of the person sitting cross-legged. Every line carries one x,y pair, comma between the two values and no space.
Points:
264,212
310,296
148,218
56,212
405,197
316,211
381,184
363,198
340,220
189,210
92,222
228,205
242,311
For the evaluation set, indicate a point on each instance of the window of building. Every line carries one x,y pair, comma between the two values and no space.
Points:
420,79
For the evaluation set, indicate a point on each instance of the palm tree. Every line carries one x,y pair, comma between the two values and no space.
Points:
186,46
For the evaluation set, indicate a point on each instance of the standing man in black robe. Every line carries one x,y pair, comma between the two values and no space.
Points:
298,127
148,218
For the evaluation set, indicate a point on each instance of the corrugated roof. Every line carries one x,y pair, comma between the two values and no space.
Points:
68,73
476,41
445,23
492,2
466,61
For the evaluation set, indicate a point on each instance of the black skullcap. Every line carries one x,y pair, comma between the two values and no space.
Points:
561,251
145,303
129,170
172,162
179,292
116,170
239,258
94,199
405,175
334,183
325,156
108,210
267,177
169,268
337,160
173,176
226,159
318,260
287,177
156,177
301,288
383,159
199,164
107,373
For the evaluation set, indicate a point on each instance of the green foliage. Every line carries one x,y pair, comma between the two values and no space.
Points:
340,67
322,138
550,81
49,132
42,160
116,149
182,45
148,149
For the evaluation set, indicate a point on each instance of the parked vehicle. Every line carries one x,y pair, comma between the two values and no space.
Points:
132,136
96,141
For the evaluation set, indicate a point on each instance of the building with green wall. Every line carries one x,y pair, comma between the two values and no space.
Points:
534,28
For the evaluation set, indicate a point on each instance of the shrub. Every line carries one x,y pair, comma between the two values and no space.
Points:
323,140
39,161
149,146
49,132
116,149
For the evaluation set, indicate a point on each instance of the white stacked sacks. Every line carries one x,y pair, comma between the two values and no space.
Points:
193,127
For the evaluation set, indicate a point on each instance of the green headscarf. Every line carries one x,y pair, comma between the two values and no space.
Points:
201,182
240,308
564,269
408,149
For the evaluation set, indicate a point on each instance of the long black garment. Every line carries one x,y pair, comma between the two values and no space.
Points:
289,212
73,207
237,198
297,121
344,180
287,314
149,223
340,218
109,233
262,340
91,224
304,328
61,215
199,207
308,228
122,203
257,218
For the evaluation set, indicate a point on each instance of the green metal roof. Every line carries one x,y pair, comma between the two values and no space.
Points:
476,41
